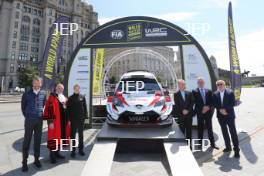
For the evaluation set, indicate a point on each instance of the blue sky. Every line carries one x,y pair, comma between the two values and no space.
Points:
248,18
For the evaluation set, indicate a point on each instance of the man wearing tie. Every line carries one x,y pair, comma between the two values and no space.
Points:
224,102
204,110
184,109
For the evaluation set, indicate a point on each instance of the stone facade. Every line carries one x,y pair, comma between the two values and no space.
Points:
25,27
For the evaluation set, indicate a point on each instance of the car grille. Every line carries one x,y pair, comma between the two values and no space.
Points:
146,117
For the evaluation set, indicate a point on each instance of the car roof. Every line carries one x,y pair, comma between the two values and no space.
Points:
138,73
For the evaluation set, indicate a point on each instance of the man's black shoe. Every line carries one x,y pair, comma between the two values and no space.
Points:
73,154
37,163
53,158
58,155
215,147
237,155
24,167
81,153
227,150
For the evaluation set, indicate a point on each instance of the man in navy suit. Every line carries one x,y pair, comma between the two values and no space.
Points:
204,110
184,109
224,102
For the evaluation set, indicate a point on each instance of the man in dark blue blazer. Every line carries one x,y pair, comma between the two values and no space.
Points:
224,102
203,99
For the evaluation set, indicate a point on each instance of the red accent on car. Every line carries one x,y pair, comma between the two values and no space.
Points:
167,98
158,93
121,98
114,107
110,99
163,108
156,99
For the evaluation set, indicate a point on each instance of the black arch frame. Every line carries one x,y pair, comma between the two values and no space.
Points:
86,43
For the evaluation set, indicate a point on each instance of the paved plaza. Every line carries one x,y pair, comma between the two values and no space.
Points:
250,126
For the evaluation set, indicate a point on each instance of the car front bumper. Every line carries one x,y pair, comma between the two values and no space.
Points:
164,123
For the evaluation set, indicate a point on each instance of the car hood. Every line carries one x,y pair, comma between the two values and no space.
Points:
140,98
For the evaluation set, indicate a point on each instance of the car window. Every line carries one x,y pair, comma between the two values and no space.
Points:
149,84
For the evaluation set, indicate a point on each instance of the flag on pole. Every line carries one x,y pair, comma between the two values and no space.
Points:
233,56
52,54
98,71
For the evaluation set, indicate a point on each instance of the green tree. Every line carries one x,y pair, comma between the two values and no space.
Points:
25,76
112,80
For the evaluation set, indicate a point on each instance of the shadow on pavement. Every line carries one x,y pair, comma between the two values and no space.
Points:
246,148
44,157
207,155
228,163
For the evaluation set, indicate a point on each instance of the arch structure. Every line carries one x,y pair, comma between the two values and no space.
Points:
137,31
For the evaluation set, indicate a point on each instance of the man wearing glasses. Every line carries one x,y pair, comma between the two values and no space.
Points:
224,102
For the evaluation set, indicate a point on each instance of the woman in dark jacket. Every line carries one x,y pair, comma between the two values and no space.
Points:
77,111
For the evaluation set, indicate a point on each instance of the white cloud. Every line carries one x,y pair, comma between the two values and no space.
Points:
250,51
171,17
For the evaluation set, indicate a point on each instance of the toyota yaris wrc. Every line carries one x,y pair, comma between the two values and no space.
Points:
139,101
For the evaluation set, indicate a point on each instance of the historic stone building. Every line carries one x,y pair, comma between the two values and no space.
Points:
24,30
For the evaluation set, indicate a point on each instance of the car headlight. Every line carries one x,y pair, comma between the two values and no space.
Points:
160,103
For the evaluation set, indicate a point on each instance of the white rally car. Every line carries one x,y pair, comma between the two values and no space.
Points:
139,100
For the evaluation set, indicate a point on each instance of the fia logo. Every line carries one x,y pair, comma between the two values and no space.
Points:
117,34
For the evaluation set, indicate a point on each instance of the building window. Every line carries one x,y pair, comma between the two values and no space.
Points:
23,56
15,34
16,24
13,44
35,30
18,67
35,11
17,14
50,21
61,2
39,13
24,38
18,5
33,57
23,47
35,40
36,21
25,29
50,12
12,68
26,19
27,9
13,55
34,49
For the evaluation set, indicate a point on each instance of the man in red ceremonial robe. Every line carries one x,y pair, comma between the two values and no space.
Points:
58,123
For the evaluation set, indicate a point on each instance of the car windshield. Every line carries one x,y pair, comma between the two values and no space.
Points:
130,85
